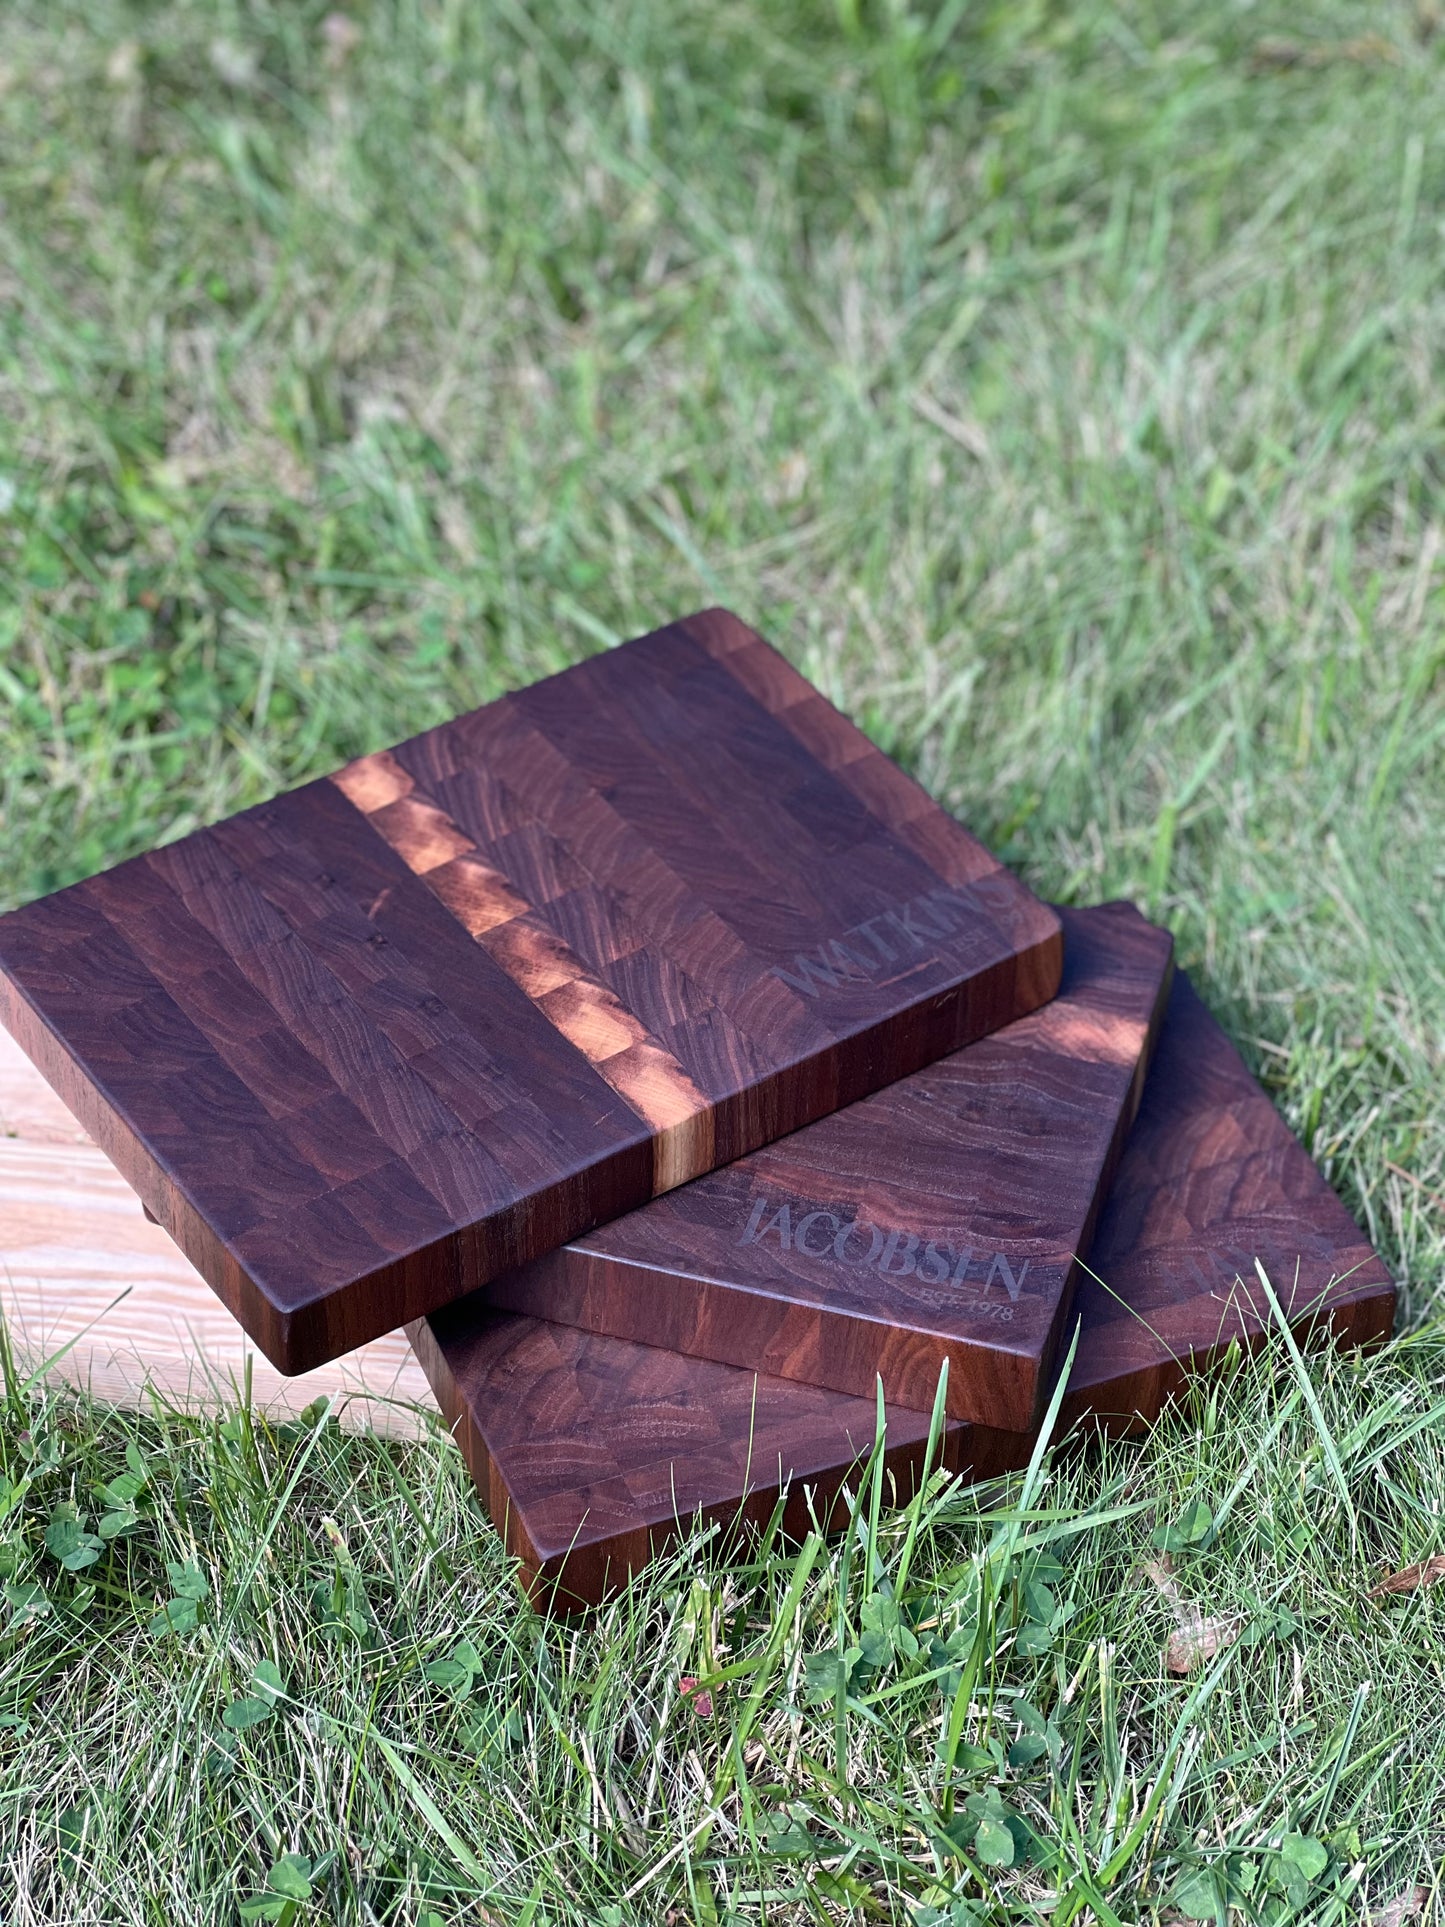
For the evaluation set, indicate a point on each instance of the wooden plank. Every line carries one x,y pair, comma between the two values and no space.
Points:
365,1046
590,1450
81,1268
941,1218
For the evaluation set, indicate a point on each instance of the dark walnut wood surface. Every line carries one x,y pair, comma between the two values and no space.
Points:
367,1045
589,1450
940,1218
1212,1180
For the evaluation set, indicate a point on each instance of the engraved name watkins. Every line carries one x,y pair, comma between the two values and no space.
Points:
885,943
831,1238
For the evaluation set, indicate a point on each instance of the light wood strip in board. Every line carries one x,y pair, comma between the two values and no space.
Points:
592,1018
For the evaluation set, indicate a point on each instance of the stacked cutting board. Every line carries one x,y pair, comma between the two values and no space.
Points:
676,1071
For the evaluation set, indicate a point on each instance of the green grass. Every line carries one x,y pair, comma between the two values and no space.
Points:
1061,386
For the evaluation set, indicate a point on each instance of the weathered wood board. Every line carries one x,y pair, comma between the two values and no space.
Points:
589,1450
365,1046
83,1275
941,1218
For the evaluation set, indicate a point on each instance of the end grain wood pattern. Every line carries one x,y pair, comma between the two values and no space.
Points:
591,1452
941,1218
1212,1180
363,1047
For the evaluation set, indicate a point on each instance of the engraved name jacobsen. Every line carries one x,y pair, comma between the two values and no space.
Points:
884,942
832,1238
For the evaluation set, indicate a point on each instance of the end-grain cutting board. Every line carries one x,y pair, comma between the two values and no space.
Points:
590,1451
367,1045
941,1218
1212,1180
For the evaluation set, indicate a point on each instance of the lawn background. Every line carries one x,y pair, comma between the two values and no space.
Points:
1061,387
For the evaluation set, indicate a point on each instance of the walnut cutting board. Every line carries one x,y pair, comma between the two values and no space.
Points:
1212,1180
588,1450
363,1047
940,1218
